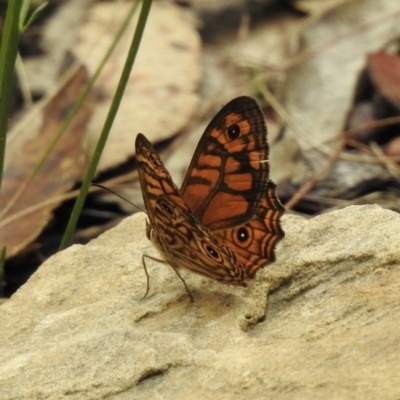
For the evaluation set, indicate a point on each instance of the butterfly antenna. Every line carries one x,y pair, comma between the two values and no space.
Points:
121,197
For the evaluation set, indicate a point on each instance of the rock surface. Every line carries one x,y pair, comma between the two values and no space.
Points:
321,322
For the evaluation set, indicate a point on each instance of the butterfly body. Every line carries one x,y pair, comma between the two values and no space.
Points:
224,221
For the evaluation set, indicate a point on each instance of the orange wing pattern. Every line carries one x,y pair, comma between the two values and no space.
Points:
181,240
224,223
254,242
229,171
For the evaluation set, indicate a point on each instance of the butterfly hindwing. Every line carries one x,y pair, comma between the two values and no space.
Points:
187,244
254,242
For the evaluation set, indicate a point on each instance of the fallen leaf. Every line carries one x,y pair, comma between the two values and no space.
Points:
392,149
162,91
384,71
377,97
61,170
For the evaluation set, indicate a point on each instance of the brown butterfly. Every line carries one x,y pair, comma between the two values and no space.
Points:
224,221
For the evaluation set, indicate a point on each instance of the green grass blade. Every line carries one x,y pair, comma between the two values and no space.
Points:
24,25
8,55
23,13
137,37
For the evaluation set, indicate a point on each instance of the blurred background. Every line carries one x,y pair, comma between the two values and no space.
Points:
325,72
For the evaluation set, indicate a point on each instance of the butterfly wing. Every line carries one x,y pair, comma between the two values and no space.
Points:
254,242
227,184
229,171
154,178
181,240
185,243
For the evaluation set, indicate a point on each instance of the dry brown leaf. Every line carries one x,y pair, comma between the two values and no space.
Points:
377,97
384,70
61,170
161,94
392,149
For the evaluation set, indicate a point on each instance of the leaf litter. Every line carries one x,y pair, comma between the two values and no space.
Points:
62,169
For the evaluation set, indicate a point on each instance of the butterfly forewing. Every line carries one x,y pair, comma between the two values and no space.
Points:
155,180
229,170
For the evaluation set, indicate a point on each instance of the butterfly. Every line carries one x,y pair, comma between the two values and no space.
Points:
224,222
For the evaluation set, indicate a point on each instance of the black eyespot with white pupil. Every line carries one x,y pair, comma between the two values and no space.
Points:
233,131
166,208
242,235
212,252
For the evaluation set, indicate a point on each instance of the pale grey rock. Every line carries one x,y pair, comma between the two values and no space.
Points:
330,327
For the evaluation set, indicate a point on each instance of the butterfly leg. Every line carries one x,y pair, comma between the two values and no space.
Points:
147,274
148,277
184,283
